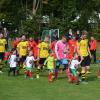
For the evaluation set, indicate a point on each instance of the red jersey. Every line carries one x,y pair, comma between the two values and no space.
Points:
35,50
93,44
72,45
6,55
33,46
53,45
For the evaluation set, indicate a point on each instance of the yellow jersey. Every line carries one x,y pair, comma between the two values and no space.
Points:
22,48
3,42
83,47
50,61
43,50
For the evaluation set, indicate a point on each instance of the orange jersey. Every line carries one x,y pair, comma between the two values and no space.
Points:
93,44
31,44
72,45
35,52
53,45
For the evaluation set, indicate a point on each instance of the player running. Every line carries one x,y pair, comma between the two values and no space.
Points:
43,53
61,50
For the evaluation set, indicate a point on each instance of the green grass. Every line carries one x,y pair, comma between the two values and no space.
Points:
19,88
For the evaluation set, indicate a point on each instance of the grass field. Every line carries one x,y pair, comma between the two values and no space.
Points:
19,88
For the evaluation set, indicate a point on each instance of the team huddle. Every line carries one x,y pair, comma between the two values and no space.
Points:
71,55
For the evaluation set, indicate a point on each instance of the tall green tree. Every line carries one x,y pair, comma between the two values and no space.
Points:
64,14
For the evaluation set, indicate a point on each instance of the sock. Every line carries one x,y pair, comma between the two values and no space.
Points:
83,75
26,73
75,79
38,71
72,79
50,77
30,74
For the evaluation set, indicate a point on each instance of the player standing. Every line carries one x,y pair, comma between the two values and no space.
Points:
3,43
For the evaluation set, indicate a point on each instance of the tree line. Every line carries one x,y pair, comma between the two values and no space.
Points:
26,15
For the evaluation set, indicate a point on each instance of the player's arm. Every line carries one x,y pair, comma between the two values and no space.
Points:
88,48
28,46
35,59
75,50
95,44
89,52
81,61
39,46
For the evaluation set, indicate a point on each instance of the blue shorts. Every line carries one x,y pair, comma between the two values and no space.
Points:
61,62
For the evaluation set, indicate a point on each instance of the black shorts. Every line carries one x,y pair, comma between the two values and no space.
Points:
12,68
86,61
93,52
42,60
22,59
2,55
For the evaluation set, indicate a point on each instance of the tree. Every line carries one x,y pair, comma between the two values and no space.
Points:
26,15
35,6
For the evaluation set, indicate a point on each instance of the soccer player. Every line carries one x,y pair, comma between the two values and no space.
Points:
22,49
72,48
61,50
29,62
3,43
13,62
93,46
43,53
32,45
84,52
74,66
50,61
